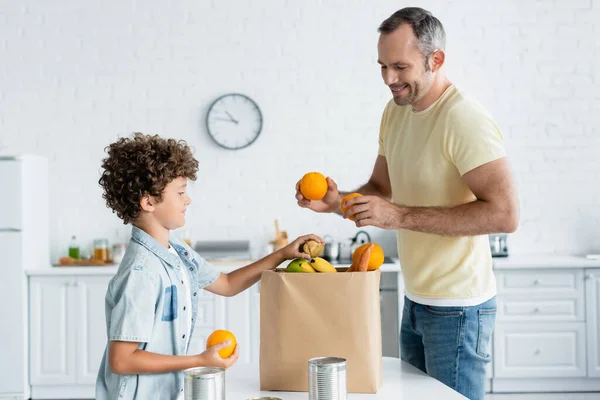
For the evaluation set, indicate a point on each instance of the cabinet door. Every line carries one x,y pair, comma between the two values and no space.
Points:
592,290
255,324
91,326
52,330
238,320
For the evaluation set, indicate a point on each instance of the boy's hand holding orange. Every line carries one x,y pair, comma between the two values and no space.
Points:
221,350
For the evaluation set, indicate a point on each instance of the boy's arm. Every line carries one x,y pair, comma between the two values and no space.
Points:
241,279
125,358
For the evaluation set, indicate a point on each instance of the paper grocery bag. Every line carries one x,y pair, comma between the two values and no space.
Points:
307,315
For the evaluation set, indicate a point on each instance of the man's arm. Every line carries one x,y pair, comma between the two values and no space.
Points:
379,182
494,211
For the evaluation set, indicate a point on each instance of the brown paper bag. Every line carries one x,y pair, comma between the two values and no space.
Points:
307,315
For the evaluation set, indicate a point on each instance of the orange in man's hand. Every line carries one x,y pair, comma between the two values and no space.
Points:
220,336
376,259
346,198
313,186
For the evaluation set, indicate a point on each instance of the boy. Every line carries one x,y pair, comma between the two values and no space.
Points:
151,302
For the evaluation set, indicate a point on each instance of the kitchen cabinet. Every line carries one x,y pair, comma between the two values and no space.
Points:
592,291
67,334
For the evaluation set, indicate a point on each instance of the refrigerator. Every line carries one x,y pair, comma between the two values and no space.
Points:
24,244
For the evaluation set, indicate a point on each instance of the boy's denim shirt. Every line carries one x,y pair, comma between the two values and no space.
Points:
142,305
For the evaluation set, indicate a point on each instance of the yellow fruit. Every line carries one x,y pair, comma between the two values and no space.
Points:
346,198
322,265
313,248
376,259
313,186
220,336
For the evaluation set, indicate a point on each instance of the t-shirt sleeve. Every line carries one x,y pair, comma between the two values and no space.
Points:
473,139
134,297
207,273
383,130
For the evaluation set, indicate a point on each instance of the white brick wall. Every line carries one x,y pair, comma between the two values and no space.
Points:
76,75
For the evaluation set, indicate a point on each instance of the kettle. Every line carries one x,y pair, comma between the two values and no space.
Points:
359,239
331,249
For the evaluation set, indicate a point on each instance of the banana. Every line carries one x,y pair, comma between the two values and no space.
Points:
322,265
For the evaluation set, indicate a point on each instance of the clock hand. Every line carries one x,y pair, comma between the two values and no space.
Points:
224,119
231,117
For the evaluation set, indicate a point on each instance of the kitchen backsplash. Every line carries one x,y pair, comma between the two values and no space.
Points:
76,75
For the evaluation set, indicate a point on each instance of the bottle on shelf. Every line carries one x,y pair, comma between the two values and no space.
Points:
74,248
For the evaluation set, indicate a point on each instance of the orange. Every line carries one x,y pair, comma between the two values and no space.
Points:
376,258
220,336
313,186
348,197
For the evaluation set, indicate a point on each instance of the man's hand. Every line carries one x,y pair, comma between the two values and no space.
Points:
211,357
329,203
294,249
374,211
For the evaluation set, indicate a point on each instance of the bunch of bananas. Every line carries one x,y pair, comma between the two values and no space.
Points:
316,264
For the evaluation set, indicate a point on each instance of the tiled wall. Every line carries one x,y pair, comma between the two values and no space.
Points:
76,75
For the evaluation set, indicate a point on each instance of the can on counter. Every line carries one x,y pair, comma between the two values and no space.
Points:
204,383
327,378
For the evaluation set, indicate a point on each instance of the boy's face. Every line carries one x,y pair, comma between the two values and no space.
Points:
170,212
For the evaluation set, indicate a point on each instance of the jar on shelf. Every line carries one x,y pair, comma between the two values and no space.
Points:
101,252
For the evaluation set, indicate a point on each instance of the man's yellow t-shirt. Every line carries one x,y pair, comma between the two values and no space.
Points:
427,152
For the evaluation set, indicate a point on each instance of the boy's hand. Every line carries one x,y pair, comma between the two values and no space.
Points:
211,357
294,249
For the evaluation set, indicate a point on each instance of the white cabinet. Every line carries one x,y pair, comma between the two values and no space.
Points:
239,314
592,290
67,332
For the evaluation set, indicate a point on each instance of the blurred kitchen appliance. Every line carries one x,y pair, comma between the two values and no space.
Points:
24,244
224,250
498,245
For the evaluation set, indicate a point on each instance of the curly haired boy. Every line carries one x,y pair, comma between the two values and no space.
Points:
151,302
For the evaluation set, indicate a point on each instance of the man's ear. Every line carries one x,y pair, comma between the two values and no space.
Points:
147,203
436,60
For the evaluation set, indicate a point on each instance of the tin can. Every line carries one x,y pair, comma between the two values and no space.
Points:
204,383
327,378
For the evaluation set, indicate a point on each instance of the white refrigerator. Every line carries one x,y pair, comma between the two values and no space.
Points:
24,244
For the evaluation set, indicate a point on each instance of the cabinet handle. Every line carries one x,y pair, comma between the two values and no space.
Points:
536,282
537,352
536,310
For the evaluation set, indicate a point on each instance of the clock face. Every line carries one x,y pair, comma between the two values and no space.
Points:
234,121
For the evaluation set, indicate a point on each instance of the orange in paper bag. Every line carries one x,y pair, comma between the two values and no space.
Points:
376,259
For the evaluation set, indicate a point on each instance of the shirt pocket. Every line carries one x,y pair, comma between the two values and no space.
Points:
170,304
487,320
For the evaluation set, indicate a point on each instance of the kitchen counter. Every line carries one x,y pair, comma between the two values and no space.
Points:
400,381
544,261
222,266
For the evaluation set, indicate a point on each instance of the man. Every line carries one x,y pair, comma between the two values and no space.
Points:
442,181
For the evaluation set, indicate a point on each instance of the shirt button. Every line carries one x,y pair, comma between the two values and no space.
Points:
181,281
191,269
186,253
183,308
194,293
183,337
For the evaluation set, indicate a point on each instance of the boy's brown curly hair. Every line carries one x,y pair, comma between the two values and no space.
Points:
142,165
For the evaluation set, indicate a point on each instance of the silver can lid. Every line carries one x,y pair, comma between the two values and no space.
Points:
203,372
328,362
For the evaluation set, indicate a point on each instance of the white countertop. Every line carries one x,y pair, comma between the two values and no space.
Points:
544,261
400,381
221,266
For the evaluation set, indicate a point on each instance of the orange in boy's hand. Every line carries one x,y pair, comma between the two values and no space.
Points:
220,336
346,198
313,186
376,259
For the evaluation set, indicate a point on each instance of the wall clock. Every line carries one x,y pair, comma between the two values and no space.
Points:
234,121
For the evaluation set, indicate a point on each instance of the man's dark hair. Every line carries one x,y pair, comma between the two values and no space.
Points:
428,30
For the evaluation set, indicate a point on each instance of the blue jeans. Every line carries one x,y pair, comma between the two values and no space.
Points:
452,344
